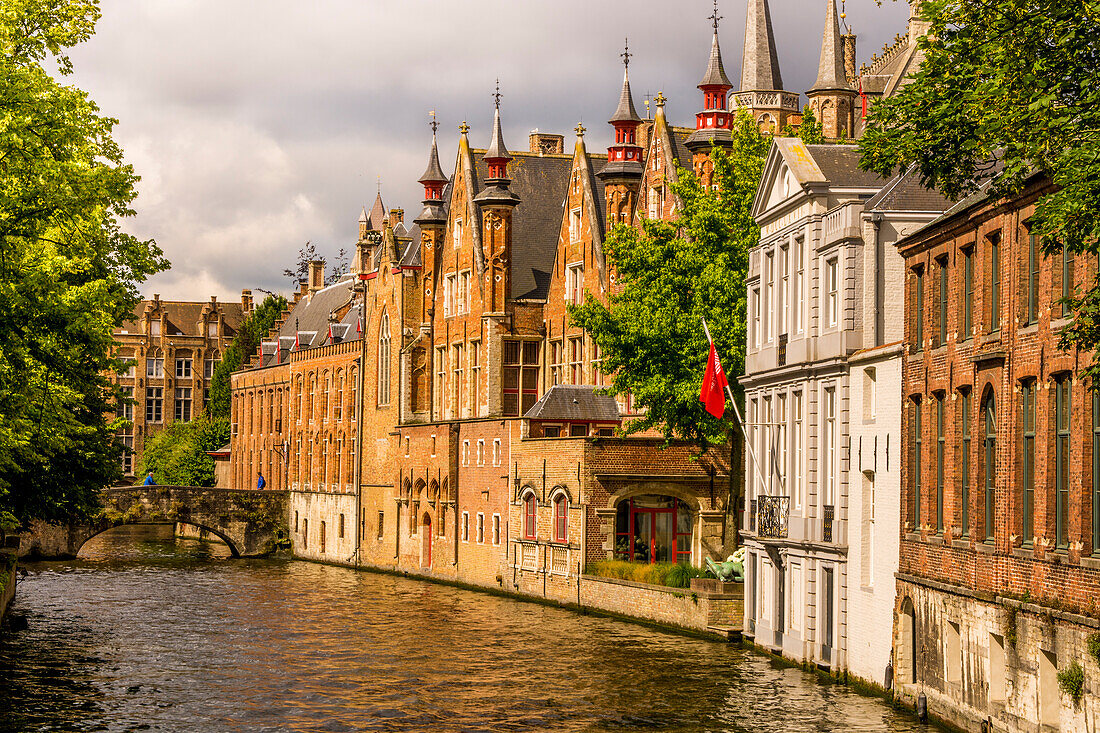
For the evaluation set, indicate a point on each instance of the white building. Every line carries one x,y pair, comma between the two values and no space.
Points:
822,393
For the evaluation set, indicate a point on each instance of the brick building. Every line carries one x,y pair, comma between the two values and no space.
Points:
173,347
1001,520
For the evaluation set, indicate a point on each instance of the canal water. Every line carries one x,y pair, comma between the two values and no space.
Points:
150,632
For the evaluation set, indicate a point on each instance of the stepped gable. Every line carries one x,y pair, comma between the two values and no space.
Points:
540,182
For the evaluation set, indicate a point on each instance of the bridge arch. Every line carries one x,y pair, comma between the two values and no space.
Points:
97,530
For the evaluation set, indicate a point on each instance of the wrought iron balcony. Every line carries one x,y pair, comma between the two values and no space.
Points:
827,524
773,515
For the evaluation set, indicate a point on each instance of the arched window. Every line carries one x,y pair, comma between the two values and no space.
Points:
326,403
309,397
989,420
529,517
338,406
384,360
561,515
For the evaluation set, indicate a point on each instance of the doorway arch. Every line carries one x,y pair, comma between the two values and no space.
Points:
426,542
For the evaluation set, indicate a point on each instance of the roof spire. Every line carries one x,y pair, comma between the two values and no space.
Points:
497,95
716,74
497,156
434,178
831,73
626,111
760,64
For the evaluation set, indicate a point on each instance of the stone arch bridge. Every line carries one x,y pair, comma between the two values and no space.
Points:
251,522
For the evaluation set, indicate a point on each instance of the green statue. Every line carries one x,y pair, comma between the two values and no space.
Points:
732,570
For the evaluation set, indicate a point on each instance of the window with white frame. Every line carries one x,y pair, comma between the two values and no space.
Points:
782,469
496,529
480,528
754,321
597,363
127,453
154,365
209,365
457,233
754,457
440,379
154,404
183,404
654,198
130,369
575,225
769,296
462,296
574,283
183,368
783,314
796,449
449,285
384,361
829,413
869,397
457,351
481,452
212,329
799,285
154,327
556,363
832,292
496,451
576,360
475,378
767,452
126,404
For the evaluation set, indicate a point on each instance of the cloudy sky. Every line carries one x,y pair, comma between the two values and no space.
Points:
257,125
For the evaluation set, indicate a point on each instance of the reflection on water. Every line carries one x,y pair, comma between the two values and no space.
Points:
152,633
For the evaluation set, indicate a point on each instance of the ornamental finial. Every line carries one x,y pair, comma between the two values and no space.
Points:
716,17
626,55
497,95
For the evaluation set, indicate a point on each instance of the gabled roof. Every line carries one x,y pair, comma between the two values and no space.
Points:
808,165
904,192
578,403
309,320
183,317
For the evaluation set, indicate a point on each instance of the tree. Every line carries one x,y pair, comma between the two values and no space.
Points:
672,275
300,271
255,328
68,274
1007,89
178,455
809,129
340,268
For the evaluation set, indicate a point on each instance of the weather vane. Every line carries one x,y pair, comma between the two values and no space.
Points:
716,17
497,95
435,124
626,54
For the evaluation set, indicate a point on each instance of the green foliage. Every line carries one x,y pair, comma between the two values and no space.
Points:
810,130
1006,89
668,574
1094,646
177,456
68,274
1071,681
255,327
672,275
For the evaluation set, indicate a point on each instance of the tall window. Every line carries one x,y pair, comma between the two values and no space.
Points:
300,398
830,445
154,404
209,365
440,379
941,447
575,225
521,376
754,309
964,462
154,365
326,397
1061,459
457,351
769,294
1032,300
796,449
767,455
832,288
597,363
183,368
338,407
943,302
475,378
784,290
995,282
918,308
968,294
781,442
1067,282
529,517
456,233
557,359
990,445
1096,473
127,454
480,528
561,517
183,404
463,304
918,454
1027,485
450,285
576,360
126,404
799,283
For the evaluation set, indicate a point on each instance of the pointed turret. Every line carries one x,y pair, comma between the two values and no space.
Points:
713,123
377,213
832,97
760,64
497,158
624,158
434,180
762,92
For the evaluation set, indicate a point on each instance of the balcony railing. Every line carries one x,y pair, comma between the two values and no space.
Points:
827,524
773,516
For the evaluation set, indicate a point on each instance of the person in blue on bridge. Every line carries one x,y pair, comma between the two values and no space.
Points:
260,483
149,480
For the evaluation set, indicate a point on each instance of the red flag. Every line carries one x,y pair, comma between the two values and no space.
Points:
713,394
297,343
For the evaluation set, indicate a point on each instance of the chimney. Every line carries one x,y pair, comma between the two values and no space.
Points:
850,59
246,301
156,298
546,144
213,299
644,135
316,275
397,216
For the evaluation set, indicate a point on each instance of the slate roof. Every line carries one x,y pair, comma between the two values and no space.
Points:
182,317
716,75
760,62
575,403
434,173
310,319
626,112
679,136
904,192
840,164
541,182
831,73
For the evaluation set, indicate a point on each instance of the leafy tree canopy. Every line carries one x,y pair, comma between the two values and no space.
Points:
1006,89
68,274
252,332
672,275
177,456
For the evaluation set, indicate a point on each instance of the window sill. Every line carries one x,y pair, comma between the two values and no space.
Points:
985,548
936,539
1092,563
1023,553
962,543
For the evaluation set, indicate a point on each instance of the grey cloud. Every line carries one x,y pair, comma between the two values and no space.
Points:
259,124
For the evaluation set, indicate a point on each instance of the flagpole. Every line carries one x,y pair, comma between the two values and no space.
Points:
737,412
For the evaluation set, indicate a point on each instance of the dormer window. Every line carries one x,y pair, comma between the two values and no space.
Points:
212,329
154,327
